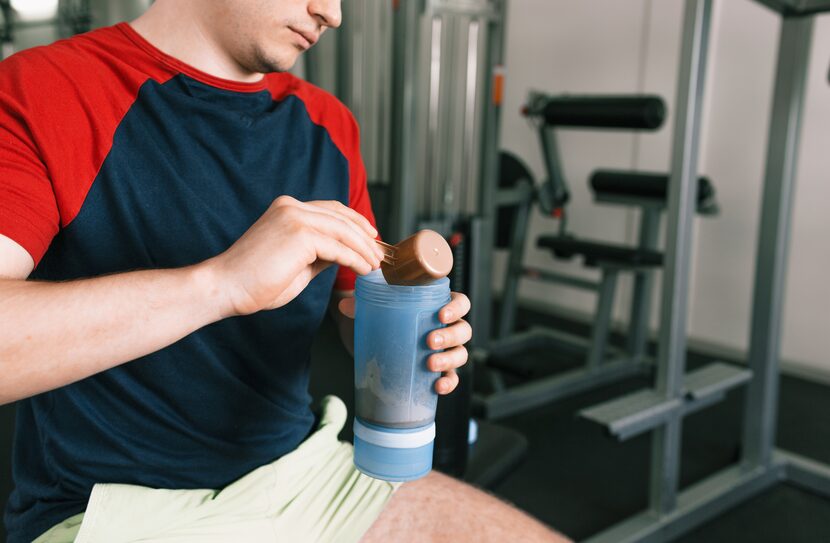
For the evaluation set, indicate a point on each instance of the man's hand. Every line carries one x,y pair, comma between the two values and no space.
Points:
287,247
451,339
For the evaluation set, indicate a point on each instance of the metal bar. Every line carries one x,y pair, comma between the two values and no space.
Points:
489,168
602,318
633,414
643,286
346,64
638,412
471,7
404,67
433,196
544,275
774,231
539,338
478,249
550,152
447,149
513,273
520,398
805,472
514,196
665,456
696,505
714,378
467,167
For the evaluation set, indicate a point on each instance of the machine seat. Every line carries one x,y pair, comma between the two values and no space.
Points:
594,252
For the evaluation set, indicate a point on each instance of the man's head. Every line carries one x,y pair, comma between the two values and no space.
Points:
267,35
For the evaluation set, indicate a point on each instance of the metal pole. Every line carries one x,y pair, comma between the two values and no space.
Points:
602,318
773,238
403,190
513,273
643,287
665,458
482,293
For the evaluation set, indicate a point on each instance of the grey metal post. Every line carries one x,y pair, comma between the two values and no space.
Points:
513,272
482,295
403,186
643,287
665,457
602,318
773,238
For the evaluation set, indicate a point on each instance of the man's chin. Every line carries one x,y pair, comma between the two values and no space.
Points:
281,63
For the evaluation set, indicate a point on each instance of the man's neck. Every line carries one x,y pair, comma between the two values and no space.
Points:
176,30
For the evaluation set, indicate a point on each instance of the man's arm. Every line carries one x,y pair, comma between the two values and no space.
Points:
56,333
53,334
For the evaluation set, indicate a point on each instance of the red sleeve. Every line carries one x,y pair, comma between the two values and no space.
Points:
60,106
358,200
28,210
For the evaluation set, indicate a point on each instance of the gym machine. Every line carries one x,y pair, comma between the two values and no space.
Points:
515,198
434,86
675,394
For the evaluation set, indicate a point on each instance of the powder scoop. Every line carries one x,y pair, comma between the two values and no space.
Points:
419,259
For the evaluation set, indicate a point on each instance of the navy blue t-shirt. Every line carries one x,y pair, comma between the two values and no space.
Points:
115,157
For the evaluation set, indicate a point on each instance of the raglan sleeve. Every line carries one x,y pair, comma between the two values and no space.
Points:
358,196
29,212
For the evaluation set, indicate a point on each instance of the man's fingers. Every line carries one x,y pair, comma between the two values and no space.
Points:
346,307
337,207
332,250
458,307
444,338
447,383
347,221
331,226
448,360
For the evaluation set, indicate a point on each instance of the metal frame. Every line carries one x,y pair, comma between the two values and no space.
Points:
433,41
672,513
597,371
643,287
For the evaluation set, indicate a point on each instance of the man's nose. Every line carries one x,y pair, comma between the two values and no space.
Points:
327,12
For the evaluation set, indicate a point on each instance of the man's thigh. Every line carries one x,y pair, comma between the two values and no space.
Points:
440,508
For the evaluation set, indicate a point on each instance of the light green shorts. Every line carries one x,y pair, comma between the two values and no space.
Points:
312,494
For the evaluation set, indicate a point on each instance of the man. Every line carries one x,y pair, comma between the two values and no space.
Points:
184,204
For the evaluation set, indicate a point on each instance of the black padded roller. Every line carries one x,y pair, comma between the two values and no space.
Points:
631,112
644,185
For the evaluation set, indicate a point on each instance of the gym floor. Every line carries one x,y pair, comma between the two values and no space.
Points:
580,482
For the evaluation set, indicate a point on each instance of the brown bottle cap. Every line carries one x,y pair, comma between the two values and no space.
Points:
419,259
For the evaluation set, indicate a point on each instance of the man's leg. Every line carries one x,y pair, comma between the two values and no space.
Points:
440,508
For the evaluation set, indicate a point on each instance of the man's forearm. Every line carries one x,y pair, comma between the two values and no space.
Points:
53,334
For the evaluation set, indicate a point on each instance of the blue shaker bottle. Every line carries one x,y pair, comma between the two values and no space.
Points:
395,396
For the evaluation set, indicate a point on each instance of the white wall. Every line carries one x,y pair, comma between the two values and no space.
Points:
564,46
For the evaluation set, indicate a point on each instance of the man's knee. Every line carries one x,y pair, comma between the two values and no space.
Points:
440,508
